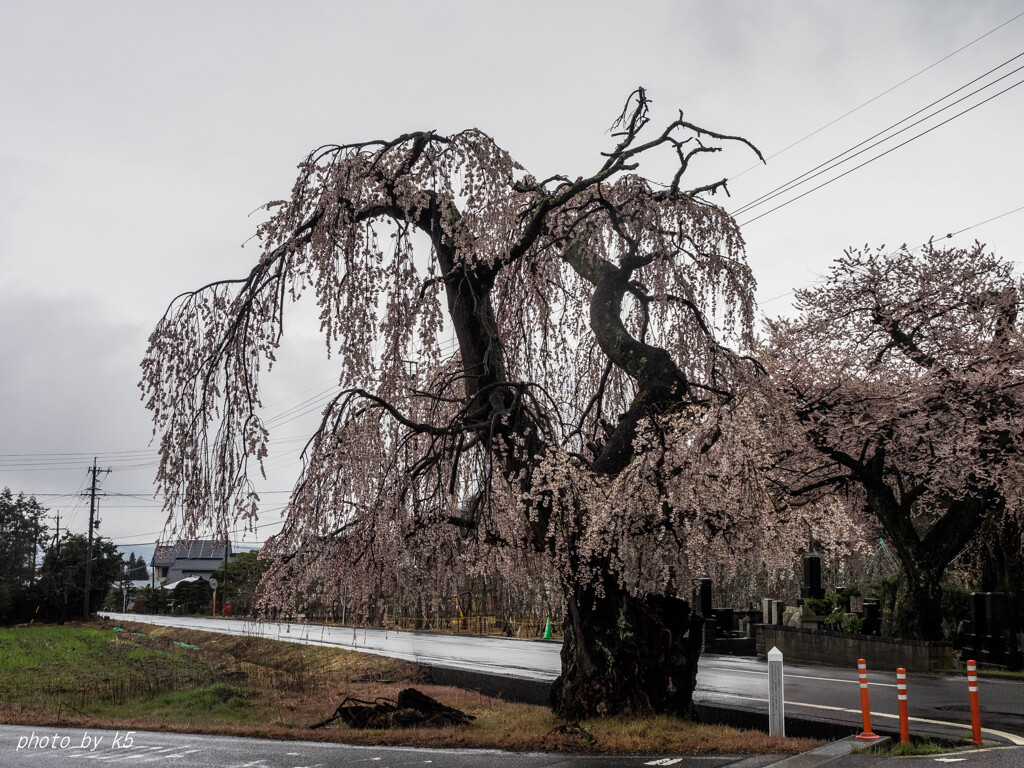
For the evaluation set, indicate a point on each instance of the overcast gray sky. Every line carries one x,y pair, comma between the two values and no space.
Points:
137,138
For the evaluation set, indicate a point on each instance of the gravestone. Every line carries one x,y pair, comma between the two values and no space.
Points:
723,620
705,598
872,617
710,625
994,646
778,609
812,579
976,629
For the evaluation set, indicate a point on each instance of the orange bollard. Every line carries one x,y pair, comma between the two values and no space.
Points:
901,696
865,708
972,689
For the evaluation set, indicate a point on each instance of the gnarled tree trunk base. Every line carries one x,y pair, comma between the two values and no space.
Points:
623,654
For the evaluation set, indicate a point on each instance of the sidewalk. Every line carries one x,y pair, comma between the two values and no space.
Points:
841,754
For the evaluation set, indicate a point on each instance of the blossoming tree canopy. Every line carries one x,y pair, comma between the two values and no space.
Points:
905,372
581,435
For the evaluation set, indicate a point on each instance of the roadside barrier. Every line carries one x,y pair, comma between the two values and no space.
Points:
865,707
901,696
507,626
972,690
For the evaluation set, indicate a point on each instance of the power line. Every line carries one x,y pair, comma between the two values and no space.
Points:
123,540
883,93
883,154
834,161
948,236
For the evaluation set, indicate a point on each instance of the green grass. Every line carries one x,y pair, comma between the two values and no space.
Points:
79,666
163,678
220,703
916,748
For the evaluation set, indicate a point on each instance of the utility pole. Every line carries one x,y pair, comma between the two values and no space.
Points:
62,611
224,589
92,524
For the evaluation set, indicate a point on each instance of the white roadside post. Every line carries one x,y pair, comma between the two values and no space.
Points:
776,700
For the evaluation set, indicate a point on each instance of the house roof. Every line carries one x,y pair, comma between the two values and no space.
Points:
172,585
198,549
200,557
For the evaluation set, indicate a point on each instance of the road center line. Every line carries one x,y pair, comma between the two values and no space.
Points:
788,676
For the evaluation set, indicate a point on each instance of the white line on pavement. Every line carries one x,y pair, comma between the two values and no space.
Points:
1012,738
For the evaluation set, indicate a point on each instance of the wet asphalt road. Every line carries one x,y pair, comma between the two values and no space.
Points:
33,747
938,704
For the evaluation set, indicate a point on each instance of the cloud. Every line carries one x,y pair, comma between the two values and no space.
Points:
67,386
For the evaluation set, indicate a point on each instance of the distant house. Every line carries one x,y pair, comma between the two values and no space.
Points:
174,562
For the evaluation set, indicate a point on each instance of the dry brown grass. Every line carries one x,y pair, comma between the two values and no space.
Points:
265,688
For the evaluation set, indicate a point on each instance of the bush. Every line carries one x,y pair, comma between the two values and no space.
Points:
817,606
853,623
834,622
192,596
151,600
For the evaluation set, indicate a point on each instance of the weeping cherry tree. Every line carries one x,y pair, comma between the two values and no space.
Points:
585,432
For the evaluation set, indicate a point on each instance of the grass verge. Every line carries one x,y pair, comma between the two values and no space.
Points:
915,748
146,677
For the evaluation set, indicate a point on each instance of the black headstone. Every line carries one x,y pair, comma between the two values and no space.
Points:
872,624
724,619
996,629
705,598
812,578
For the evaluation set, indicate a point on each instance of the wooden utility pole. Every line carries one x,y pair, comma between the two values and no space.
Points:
92,524
63,610
224,588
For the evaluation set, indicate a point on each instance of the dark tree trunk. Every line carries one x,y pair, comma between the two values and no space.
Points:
922,612
626,654
917,608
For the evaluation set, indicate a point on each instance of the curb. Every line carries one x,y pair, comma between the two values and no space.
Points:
829,752
520,689
531,691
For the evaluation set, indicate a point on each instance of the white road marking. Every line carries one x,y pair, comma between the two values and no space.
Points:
1012,738
795,677
116,758
665,761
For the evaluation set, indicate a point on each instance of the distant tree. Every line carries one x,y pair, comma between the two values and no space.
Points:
151,600
62,581
137,570
239,584
581,433
22,535
192,596
905,374
124,591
